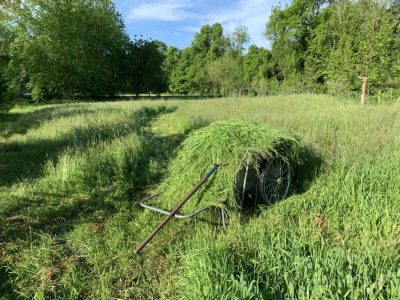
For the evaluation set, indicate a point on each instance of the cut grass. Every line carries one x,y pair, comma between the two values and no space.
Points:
233,144
69,225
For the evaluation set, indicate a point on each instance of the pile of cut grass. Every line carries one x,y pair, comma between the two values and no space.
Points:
233,144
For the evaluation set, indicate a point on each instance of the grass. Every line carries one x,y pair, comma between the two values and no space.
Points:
233,144
71,176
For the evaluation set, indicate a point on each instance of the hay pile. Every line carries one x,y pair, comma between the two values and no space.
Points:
231,143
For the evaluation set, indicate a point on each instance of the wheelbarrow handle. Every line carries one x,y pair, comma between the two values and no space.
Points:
176,209
166,212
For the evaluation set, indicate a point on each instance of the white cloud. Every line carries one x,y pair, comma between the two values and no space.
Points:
161,11
251,13
194,13
189,28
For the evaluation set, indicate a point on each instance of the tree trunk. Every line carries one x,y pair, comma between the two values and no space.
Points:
363,88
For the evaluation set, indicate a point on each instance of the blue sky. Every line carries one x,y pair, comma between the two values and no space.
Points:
175,21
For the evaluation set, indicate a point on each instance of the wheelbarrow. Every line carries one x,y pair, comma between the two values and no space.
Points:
267,184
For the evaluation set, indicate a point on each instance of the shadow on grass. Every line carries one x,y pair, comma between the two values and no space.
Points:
19,160
6,291
307,171
20,123
59,213
38,216
22,227
55,213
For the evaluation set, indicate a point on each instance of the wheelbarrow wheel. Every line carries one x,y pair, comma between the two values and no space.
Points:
275,178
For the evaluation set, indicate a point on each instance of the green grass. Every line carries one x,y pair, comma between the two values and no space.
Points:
71,176
233,144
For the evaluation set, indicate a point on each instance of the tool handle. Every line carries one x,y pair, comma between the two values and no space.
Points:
177,208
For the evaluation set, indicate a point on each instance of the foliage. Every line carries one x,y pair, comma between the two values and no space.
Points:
3,79
226,73
256,68
317,46
6,36
333,43
144,70
239,38
67,48
290,29
172,58
74,49
190,74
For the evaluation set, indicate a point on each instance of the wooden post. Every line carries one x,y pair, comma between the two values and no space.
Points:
364,80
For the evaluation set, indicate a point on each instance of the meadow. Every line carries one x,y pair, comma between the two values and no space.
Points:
71,176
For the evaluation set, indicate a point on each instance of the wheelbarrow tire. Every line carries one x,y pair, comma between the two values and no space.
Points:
275,180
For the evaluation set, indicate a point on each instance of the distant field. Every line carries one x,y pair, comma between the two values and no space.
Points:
71,176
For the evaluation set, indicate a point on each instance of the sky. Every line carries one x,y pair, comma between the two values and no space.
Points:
175,21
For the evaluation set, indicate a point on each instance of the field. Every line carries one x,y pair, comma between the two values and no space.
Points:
71,176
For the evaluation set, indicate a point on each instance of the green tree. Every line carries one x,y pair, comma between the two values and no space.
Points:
190,75
226,73
334,43
352,40
395,67
289,30
68,48
172,58
239,38
256,69
183,77
144,67
6,37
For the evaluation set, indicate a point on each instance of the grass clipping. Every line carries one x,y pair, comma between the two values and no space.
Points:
233,144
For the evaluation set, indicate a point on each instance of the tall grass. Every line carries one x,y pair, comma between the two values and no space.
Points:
71,175
336,127
72,170
340,240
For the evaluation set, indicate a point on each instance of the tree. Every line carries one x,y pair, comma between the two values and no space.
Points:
190,75
239,38
145,66
352,40
256,68
181,80
6,37
395,66
227,74
335,43
289,30
68,48
172,58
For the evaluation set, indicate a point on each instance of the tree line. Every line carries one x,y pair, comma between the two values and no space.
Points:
73,49
79,49
333,45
